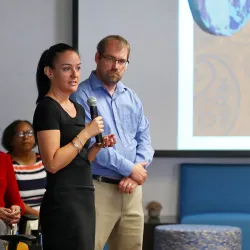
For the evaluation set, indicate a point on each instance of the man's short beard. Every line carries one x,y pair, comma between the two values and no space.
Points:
107,79
111,80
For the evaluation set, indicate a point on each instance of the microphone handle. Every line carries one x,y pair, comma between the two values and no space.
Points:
94,114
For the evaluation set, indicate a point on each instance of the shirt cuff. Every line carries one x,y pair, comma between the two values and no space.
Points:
126,167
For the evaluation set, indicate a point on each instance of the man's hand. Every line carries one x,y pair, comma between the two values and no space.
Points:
127,185
139,173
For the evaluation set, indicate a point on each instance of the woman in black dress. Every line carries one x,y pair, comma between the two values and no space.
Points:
67,213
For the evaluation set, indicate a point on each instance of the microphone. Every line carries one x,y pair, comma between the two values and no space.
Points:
94,113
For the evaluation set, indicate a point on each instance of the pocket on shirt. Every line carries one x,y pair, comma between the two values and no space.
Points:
130,124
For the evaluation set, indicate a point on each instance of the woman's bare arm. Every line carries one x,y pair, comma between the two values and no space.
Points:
56,158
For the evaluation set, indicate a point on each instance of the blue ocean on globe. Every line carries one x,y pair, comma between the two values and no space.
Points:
220,17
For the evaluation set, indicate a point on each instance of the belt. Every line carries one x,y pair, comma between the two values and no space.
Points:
105,179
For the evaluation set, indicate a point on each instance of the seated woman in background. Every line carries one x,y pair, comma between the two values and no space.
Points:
18,139
11,205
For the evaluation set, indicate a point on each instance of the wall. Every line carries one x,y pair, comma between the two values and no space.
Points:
27,29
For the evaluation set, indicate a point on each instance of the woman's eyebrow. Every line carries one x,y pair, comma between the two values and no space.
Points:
69,64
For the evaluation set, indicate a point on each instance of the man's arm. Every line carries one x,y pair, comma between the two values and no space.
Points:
144,150
116,161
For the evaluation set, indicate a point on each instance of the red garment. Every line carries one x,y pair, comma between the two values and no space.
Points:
9,193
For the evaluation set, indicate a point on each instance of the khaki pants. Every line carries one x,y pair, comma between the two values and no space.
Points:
119,218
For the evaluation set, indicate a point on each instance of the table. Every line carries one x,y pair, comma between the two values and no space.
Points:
149,226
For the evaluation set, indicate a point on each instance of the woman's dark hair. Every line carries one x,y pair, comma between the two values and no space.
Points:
48,58
9,132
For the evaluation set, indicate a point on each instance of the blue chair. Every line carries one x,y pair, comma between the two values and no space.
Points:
216,194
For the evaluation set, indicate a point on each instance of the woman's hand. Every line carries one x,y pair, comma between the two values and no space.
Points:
108,141
15,214
95,127
5,214
15,209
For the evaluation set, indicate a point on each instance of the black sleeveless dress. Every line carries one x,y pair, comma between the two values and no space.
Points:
67,213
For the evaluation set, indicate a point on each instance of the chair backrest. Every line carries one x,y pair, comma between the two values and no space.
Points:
214,188
20,246
14,241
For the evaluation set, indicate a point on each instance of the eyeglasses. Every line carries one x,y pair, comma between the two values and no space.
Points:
112,60
23,133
